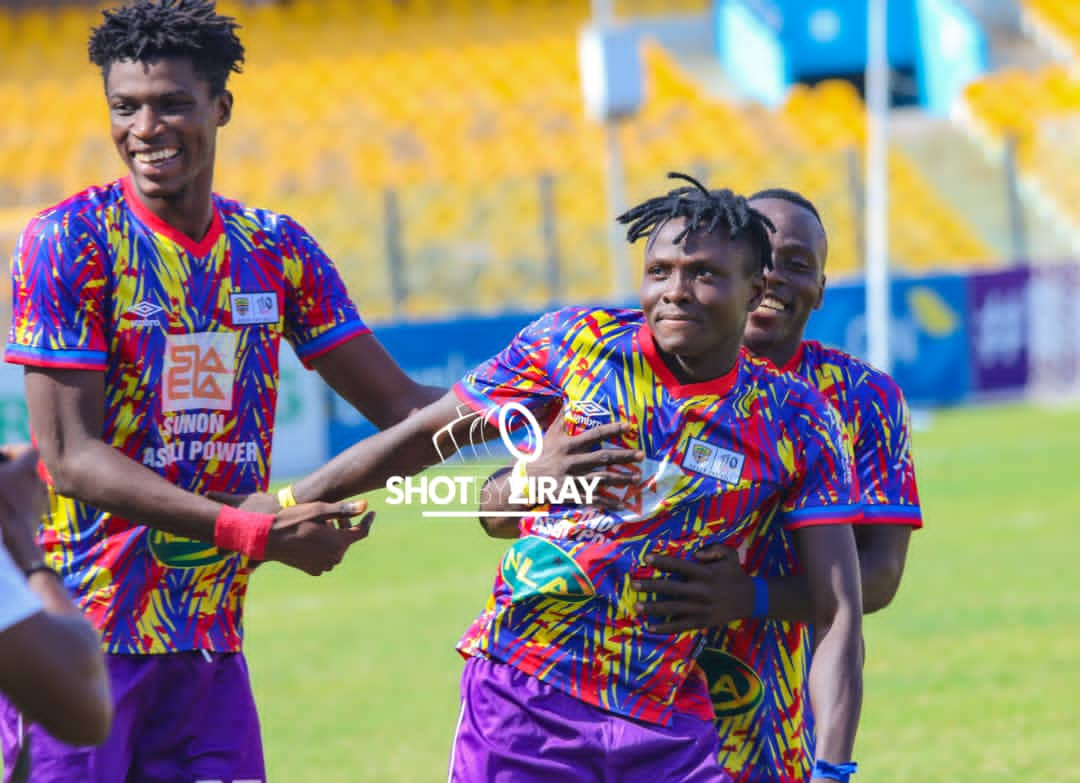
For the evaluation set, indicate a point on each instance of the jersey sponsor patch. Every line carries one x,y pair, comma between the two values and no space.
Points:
199,371
710,460
259,307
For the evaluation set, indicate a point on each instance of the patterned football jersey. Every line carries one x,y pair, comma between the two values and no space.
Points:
722,458
187,335
766,731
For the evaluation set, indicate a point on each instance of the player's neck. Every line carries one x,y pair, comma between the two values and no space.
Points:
698,369
190,212
779,353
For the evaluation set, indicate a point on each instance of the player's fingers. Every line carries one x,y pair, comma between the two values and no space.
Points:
680,625
610,478
716,552
594,435
602,458
665,587
331,512
675,565
360,530
671,610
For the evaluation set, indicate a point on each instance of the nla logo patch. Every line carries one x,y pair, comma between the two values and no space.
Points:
734,686
259,307
709,460
199,370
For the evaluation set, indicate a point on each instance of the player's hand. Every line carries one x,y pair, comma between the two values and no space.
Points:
579,455
311,538
708,592
23,500
259,503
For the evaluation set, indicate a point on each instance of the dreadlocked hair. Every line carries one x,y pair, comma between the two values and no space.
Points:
790,196
704,210
145,30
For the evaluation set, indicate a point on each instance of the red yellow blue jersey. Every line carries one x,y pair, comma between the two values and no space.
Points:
758,669
187,335
722,458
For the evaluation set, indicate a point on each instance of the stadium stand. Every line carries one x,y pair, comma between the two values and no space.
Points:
449,135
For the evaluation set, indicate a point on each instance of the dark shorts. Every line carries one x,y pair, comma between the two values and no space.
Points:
178,718
514,728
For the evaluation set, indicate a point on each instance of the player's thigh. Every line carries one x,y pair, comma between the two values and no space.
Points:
515,729
207,727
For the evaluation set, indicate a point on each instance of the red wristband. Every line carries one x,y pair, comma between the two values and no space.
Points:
242,531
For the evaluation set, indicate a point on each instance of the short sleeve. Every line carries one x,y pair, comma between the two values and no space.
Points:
319,315
19,602
884,469
521,372
58,286
822,491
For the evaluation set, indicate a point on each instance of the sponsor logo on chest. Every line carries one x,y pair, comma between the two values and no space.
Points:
198,371
709,460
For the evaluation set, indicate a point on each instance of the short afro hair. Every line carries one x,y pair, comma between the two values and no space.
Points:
146,30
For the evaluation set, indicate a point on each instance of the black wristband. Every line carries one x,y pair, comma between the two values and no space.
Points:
39,565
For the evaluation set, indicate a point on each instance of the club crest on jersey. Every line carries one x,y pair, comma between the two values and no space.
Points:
710,460
251,308
586,414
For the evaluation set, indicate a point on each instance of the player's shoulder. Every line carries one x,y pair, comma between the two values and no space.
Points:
867,381
255,218
780,385
78,213
596,322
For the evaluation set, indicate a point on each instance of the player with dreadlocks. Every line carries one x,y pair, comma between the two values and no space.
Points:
148,313
771,739
563,679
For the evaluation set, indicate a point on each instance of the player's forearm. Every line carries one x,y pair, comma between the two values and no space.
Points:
789,599
836,685
105,478
54,673
421,440
54,596
496,498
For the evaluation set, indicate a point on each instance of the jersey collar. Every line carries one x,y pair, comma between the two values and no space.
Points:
718,387
795,361
158,226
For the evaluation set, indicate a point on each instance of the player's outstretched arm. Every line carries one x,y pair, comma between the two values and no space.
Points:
368,378
51,665
67,417
426,438
561,456
828,555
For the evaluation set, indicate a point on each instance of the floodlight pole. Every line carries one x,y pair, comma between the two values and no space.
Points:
603,15
878,306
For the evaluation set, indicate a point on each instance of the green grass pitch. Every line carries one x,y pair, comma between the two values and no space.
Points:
971,674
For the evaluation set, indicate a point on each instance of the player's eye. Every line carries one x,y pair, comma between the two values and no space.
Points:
658,271
124,109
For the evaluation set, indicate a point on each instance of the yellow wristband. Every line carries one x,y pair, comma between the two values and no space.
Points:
285,497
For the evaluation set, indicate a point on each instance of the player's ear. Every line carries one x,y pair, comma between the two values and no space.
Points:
820,293
224,108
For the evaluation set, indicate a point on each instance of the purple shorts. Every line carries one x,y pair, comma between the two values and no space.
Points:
178,718
514,728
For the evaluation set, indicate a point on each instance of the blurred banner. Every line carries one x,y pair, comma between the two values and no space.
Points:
957,338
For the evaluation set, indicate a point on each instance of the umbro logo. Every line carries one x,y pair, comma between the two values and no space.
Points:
144,310
587,414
